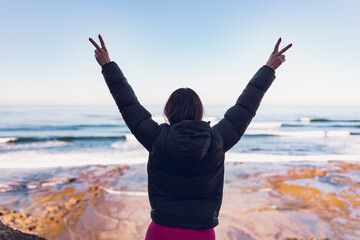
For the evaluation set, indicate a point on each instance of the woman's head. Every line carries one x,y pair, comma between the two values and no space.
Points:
183,104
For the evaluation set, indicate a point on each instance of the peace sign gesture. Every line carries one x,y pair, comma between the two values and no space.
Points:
101,53
276,57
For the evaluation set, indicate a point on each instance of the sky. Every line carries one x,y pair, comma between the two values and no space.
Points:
213,47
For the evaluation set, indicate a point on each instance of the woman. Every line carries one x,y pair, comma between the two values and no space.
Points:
186,155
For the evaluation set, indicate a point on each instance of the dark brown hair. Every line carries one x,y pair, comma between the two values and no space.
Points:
183,104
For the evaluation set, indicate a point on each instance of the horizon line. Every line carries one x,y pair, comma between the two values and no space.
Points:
225,104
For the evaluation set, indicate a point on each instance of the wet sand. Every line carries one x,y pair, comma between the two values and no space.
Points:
261,201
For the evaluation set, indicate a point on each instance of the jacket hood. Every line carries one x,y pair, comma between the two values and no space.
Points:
189,140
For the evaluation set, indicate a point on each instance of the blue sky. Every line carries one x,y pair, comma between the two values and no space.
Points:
214,47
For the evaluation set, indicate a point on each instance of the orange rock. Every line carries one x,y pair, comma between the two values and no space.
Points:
92,188
350,166
69,180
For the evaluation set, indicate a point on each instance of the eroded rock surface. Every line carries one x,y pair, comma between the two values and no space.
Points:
7,233
274,201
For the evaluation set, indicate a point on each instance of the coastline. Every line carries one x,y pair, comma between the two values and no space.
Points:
301,200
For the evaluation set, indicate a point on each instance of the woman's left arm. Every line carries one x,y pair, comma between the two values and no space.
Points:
238,117
136,117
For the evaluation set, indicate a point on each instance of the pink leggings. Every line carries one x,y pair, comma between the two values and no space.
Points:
157,232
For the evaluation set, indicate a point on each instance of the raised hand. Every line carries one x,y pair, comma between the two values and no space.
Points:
276,57
101,53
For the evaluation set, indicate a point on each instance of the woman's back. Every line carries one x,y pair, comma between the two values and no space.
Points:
186,158
185,176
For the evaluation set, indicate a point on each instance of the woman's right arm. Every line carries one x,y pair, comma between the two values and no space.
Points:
136,117
238,117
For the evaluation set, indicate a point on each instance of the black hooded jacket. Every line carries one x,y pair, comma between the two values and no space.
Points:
186,160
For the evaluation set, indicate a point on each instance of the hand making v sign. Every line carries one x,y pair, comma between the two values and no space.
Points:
276,57
101,53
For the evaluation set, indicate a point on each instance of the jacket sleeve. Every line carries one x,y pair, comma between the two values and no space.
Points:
238,117
136,117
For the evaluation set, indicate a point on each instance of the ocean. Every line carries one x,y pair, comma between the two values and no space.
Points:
60,136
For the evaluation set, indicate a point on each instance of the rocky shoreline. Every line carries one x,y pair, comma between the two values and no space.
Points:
7,233
259,203
59,206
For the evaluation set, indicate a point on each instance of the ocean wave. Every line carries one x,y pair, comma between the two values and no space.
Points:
298,134
264,133
33,145
289,125
61,139
265,125
59,128
307,119
131,138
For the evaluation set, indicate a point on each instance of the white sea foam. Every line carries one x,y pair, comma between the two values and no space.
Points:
52,183
213,120
7,139
31,186
34,159
159,119
4,187
40,159
130,137
208,118
337,133
305,119
131,145
126,193
301,134
243,157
